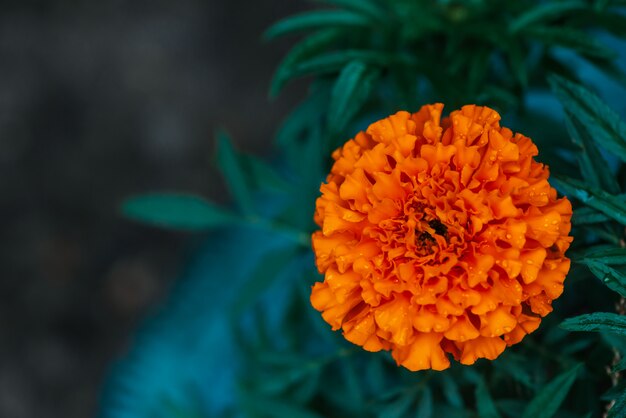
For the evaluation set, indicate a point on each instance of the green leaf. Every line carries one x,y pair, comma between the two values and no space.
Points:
603,254
484,402
399,407
515,366
425,406
177,211
597,321
609,204
612,278
516,59
621,365
605,126
275,408
547,402
261,175
544,12
315,20
601,5
593,166
587,216
306,48
618,410
451,391
367,8
570,38
334,61
262,278
350,92
230,165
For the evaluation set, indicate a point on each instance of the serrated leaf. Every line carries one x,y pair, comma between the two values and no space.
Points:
604,202
612,278
597,321
306,48
233,172
425,406
544,12
605,126
315,20
484,403
573,39
177,211
549,398
618,410
593,166
350,92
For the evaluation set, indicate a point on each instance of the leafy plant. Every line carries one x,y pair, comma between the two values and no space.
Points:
247,290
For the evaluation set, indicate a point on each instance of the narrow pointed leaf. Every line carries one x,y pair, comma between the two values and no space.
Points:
232,169
262,278
612,278
603,254
315,20
484,402
609,204
425,405
334,61
593,166
549,398
544,12
368,8
398,408
303,50
451,391
605,126
280,408
621,365
350,92
570,38
261,175
618,410
177,211
587,216
597,321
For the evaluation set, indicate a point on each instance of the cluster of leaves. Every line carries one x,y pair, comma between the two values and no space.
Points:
369,58
389,54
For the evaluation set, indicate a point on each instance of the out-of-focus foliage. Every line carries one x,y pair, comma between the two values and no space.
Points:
238,337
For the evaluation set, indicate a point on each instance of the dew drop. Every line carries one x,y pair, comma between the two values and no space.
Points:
507,329
529,261
509,236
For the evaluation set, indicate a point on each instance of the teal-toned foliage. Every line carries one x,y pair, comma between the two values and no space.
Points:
237,337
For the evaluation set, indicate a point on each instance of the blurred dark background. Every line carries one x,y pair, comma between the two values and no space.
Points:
100,100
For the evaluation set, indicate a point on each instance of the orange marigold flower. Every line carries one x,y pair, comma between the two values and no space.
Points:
439,236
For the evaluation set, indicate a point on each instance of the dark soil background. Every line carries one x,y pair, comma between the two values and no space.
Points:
100,100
